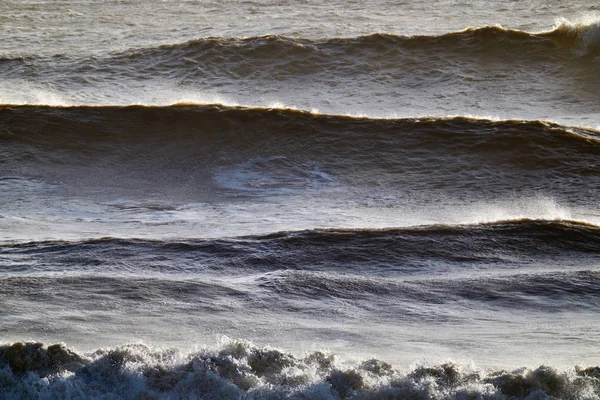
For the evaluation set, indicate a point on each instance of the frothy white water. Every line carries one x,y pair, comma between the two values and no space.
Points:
240,370
21,92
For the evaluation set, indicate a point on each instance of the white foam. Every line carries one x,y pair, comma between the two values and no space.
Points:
21,92
544,208
167,96
241,370
586,28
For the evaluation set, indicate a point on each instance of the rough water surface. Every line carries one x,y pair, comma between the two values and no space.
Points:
301,200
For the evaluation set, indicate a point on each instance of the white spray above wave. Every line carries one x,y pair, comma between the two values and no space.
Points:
515,209
21,92
77,220
388,215
586,30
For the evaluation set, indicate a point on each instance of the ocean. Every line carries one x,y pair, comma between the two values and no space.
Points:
309,199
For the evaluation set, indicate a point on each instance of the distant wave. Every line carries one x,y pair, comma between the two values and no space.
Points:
195,69
240,370
483,42
583,38
278,58
4,60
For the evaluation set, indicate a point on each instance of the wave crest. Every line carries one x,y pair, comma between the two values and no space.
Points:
483,41
584,34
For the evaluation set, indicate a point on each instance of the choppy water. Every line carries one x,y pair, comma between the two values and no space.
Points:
272,199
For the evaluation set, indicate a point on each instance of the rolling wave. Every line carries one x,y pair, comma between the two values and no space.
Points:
377,58
302,56
379,252
65,123
453,73
280,152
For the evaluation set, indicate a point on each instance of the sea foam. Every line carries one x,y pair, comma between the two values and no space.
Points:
240,370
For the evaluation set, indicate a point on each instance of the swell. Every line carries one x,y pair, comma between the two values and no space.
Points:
257,151
302,294
387,252
280,56
241,370
535,69
66,127
473,41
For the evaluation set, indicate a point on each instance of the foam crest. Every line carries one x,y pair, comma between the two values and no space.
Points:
585,30
20,92
542,208
240,370
172,95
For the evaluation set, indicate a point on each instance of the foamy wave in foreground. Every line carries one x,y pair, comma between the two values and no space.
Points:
240,370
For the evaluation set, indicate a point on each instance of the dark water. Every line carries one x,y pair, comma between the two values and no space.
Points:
192,152
303,200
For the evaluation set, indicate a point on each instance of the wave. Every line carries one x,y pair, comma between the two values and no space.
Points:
240,370
556,230
17,60
407,61
21,122
188,149
323,73
302,56
380,252
583,35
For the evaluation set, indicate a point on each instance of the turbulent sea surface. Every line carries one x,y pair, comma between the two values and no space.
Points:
300,199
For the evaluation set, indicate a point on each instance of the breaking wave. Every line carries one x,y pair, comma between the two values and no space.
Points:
583,35
240,370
